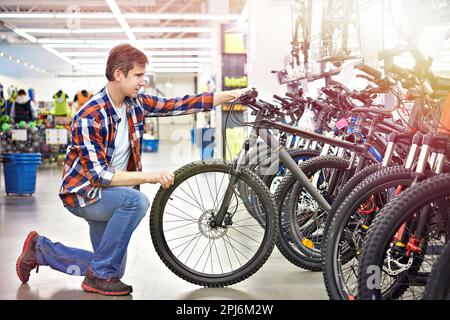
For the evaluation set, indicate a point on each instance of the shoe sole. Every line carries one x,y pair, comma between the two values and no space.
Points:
105,293
26,245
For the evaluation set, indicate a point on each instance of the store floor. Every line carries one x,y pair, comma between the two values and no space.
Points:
150,278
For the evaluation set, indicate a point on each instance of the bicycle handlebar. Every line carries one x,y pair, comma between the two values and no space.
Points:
369,70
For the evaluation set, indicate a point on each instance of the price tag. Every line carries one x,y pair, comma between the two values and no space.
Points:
341,123
56,136
19,135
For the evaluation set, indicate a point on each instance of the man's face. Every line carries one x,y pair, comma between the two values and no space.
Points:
133,81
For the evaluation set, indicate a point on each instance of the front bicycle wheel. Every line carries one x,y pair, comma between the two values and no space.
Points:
212,256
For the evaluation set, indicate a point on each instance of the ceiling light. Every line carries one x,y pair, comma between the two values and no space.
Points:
145,45
26,15
107,15
63,57
25,35
119,16
171,53
172,30
179,16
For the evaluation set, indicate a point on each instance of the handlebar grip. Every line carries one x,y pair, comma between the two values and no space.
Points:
404,73
281,99
370,71
290,95
252,93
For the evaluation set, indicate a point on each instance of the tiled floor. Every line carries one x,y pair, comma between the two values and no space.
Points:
150,278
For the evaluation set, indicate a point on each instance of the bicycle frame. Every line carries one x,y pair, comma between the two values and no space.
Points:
274,145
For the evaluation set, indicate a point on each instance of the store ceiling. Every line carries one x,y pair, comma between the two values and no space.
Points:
69,37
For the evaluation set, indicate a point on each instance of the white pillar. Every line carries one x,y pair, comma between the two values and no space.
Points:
371,30
270,34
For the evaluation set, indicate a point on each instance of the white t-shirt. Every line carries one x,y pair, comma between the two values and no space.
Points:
122,143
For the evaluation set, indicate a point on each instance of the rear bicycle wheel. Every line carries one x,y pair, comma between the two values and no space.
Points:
301,220
198,252
438,284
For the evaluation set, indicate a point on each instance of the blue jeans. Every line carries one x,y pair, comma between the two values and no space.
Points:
112,221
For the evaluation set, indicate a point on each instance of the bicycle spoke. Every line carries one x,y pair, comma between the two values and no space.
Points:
181,211
187,259
188,202
212,198
175,228
183,237
193,193
183,219
188,241
245,227
218,256
217,193
199,192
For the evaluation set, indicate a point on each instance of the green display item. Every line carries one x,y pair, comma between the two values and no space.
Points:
22,124
5,127
5,119
32,124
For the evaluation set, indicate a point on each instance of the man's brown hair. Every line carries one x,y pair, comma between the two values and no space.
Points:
123,57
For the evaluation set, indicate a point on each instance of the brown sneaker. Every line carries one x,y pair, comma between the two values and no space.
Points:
107,287
27,260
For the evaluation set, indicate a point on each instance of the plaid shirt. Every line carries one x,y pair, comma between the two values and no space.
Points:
89,155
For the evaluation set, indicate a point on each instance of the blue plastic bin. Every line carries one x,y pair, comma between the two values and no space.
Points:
20,170
150,145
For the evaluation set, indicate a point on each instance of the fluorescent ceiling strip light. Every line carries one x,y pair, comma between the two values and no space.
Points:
102,66
98,15
146,41
72,31
55,31
100,73
174,65
48,48
160,70
145,45
173,53
120,30
176,70
181,59
107,15
180,16
178,45
119,16
178,53
172,30
51,41
25,35
180,40
60,55
153,59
